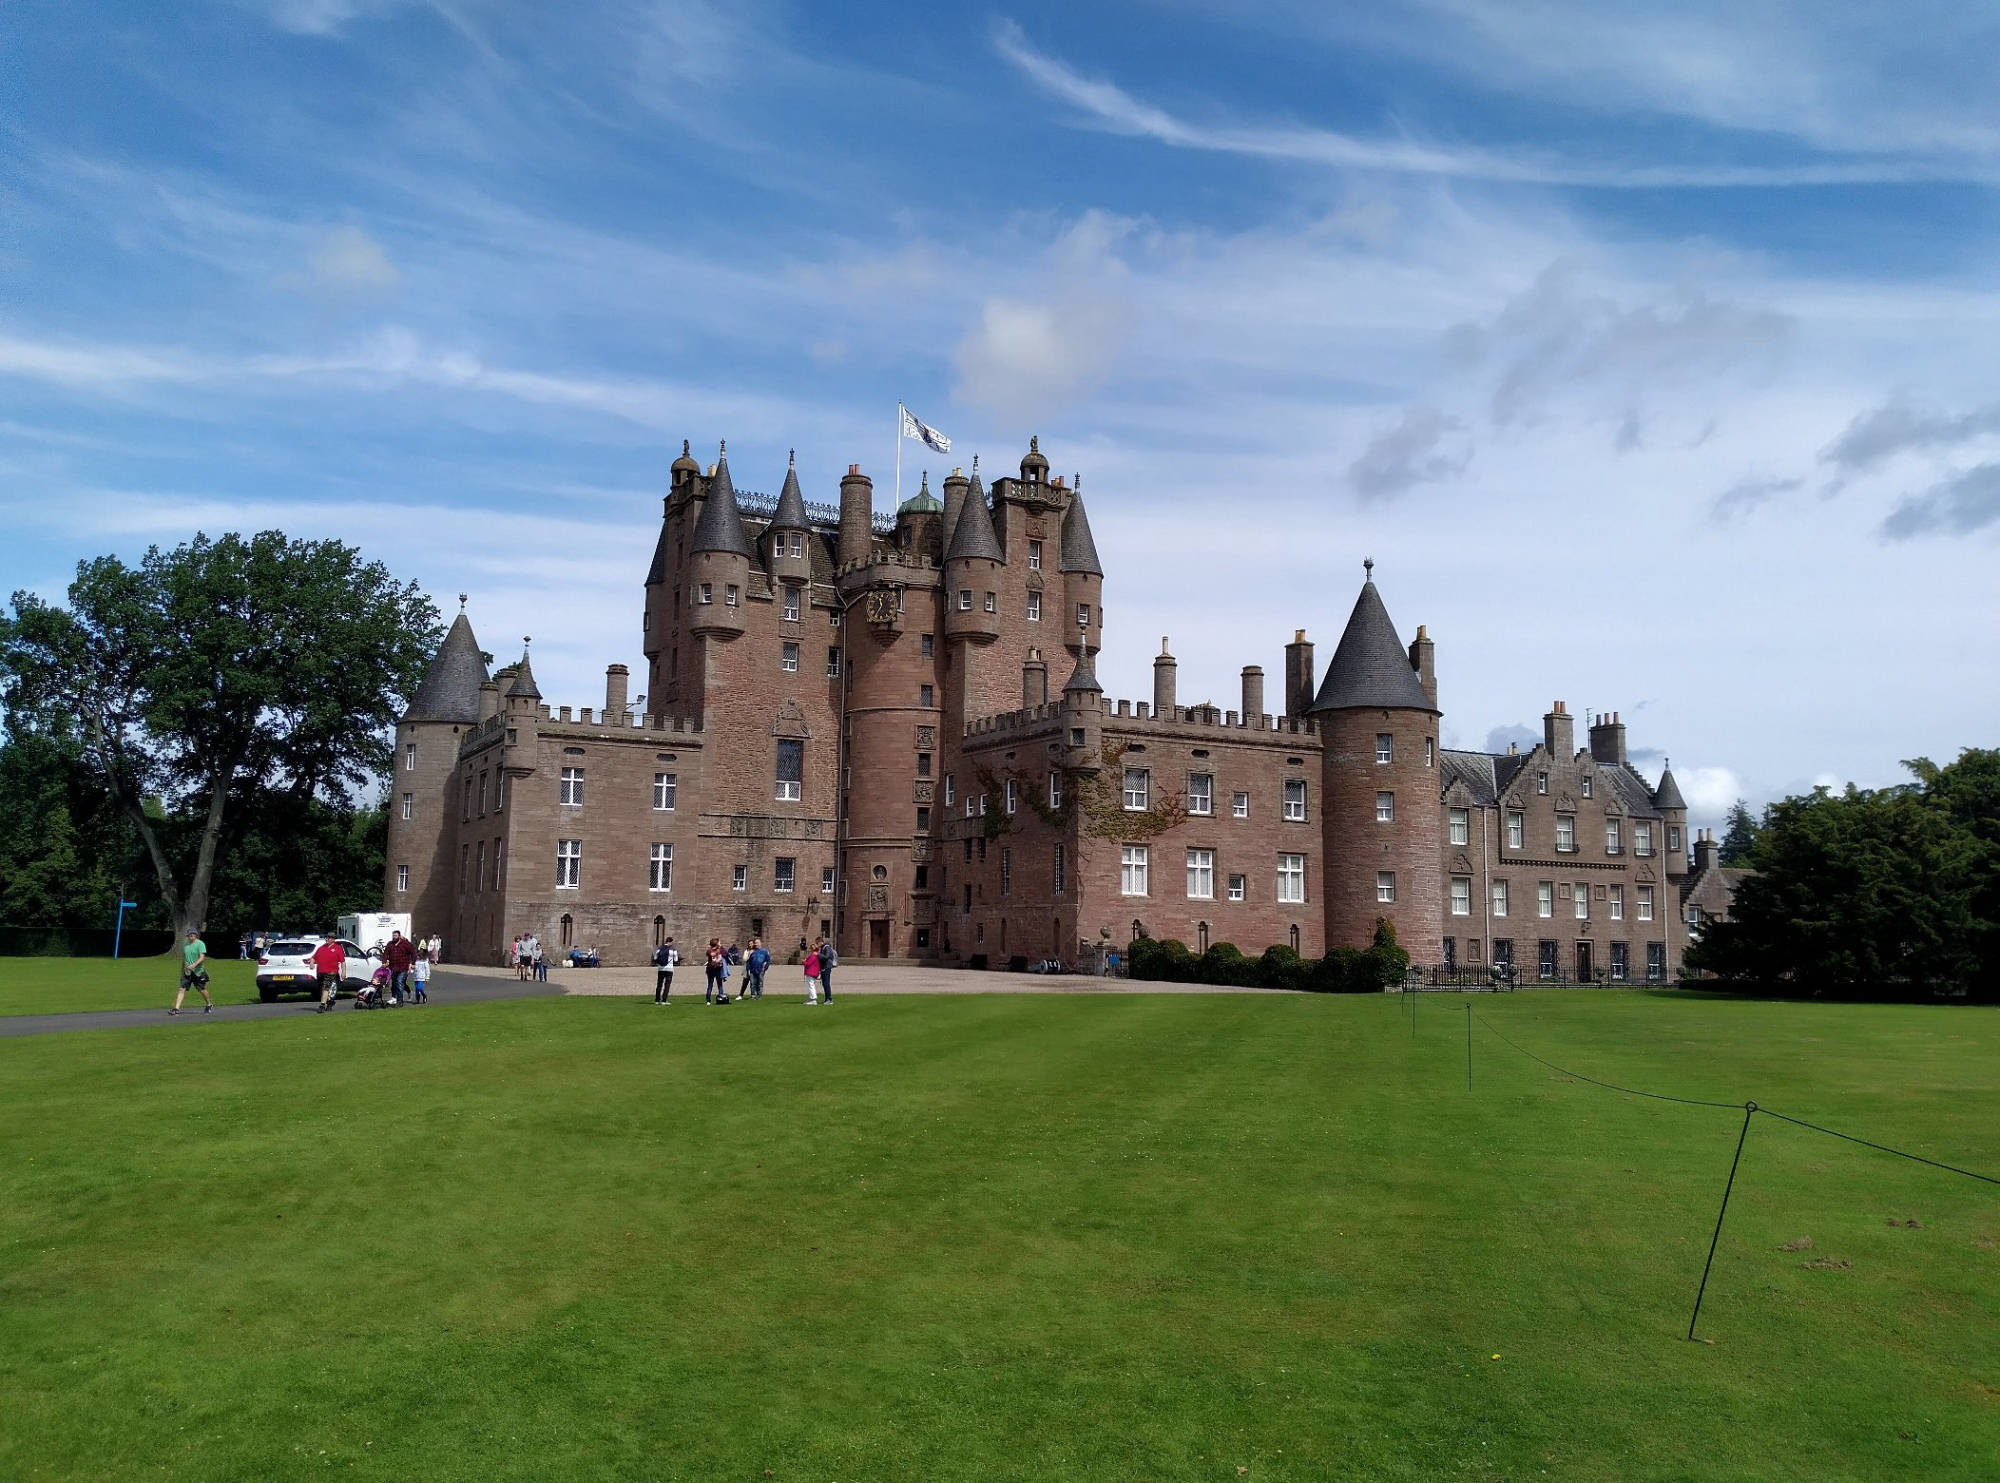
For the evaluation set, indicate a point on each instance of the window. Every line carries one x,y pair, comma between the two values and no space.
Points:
1006,872
1430,751
1450,954
1645,898
1013,795
1201,791
664,788
1055,790
500,791
783,873
1076,736
1565,833
409,805
833,661
1138,788
968,851
923,820
1132,870
482,795
1034,607
1461,895
950,789
410,757
965,599
569,864
1239,804
1057,870
1385,808
796,544
923,764
1083,615
826,879
791,770
991,603
1292,879
1693,916
1461,826
920,878
1239,887
1201,875
1656,961
788,658
402,877
1499,898
1034,556
1642,837
1614,837
972,802
1385,886
1385,749
706,593
1517,829
791,604
1617,903
1673,840
1621,962
1586,785
1295,799
1580,894
928,647
739,878
1541,782
926,696
1545,959
464,864
662,875
1545,899
572,786
729,596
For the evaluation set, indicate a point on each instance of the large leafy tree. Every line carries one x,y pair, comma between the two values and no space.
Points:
1738,835
223,670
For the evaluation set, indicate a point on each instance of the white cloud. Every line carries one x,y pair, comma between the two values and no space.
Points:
1421,448
347,261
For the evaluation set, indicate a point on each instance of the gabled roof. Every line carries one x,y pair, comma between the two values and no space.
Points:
791,511
1668,794
524,686
1079,551
450,691
974,535
720,527
1475,770
1370,668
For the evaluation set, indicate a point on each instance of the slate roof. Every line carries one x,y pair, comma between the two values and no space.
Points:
524,685
1370,668
657,572
1487,775
974,535
1079,551
1475,770
1668,794
1085,676
720,527
791,511
450,691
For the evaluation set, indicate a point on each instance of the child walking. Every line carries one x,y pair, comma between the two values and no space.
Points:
420,980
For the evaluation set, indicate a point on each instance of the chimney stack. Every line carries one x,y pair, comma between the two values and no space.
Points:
615,676
1253,694
1166,675
1559,732
1034,680
1423,659
489,700
857,515
1707,850
1298,675
1607,740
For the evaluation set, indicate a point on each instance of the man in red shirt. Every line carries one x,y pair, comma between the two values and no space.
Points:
328,958
399,956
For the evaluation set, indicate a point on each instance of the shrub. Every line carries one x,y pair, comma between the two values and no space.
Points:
1162,960
1223,964
1282,968
1339,972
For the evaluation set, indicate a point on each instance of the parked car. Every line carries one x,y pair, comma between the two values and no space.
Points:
286,967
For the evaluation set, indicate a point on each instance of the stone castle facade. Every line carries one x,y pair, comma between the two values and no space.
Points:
888,729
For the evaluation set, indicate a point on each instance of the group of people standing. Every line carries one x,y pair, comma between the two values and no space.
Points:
524,956
718,961
403,978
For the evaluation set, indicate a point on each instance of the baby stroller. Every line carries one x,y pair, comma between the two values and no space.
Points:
375,993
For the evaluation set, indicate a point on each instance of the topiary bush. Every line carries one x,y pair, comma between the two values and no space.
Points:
1224,964
1282,968
1162,960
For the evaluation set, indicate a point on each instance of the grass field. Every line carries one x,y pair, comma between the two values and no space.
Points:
65,985
1037,1238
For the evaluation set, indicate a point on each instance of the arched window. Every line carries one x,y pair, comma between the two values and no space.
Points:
1295,937
1201,936
568,930
659,930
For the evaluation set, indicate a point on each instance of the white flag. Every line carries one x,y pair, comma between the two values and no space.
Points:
930,437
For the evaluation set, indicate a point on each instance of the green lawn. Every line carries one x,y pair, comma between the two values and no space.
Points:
63,985
1047,1238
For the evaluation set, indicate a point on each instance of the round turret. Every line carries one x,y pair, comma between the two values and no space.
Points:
788,538
683,468
1034,467
973,568
719,562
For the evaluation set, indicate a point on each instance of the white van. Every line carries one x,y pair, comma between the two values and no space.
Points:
372,928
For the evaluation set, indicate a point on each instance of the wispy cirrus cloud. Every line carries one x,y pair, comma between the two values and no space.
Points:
1960,505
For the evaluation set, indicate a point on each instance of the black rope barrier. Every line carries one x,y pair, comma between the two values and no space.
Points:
1607,1085
1915,1158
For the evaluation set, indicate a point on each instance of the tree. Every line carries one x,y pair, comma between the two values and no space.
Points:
221,669
1738,835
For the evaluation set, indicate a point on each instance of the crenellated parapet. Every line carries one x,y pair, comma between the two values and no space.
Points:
1184,720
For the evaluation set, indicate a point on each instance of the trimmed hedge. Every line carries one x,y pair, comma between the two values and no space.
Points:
1342,971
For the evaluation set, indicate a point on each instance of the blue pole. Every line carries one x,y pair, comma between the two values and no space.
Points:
118,933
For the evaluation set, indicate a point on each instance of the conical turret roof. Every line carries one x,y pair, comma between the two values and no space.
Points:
450,691
974,536
524,686
791,511
1668,794
1084,678
1370,667
721,525
1079,550
657,572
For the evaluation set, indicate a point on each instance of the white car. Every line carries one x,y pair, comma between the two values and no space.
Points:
286,967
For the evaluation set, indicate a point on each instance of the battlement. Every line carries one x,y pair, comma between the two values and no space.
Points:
492,728
1205,718
914,561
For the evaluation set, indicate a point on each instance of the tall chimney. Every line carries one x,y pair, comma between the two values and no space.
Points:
1607,739
1166,672
1707,851
857,515
1423,659
489,700
1034,680
615,677
1559,732
1253,694
1298,675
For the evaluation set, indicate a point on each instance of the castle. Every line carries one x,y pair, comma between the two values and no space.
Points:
888,730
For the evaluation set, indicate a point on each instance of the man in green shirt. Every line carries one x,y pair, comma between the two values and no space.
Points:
194,953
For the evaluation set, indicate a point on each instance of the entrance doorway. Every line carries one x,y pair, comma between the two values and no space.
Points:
878,939
1583,974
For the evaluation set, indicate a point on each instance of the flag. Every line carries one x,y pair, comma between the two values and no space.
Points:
916,427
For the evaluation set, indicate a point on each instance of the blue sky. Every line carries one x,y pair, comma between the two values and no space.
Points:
1650,351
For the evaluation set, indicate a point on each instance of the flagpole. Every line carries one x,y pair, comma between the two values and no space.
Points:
899,456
